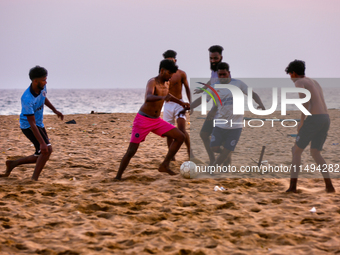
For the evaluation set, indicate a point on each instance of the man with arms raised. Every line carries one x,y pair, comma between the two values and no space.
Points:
147,119
312,129
215,57
31,123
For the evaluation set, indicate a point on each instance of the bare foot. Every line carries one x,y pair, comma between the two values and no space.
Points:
10,164
293,190
196,161
164,169
330,189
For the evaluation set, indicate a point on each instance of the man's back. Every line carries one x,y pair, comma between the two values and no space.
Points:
317,103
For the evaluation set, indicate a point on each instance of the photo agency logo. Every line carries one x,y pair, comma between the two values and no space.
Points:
232,96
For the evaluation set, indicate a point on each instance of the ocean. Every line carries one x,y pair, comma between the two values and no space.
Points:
83,101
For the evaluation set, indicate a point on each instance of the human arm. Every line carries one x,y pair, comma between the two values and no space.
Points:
306,105
170,97
199,91
186,86
211,114
257,99
49,105
43,145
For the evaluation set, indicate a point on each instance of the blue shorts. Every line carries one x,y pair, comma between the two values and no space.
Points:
226,137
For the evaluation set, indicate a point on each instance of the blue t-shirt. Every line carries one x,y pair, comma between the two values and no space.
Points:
32,104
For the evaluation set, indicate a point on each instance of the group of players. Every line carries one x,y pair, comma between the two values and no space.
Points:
166,89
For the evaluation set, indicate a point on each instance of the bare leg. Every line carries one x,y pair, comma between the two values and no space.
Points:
206,141
11,164
41,161
227,161
131,151
320,161
296,162
181,127
178,137
169,141
223,157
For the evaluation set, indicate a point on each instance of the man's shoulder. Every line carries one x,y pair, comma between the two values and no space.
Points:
27,95
181,72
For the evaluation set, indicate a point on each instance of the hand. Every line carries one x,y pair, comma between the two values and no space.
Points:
261,107
59,114
186,106
43,148
168,97
198,91
299,126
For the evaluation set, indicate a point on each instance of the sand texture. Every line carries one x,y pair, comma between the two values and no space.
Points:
77,208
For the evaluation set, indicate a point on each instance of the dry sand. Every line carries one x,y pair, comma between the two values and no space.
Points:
77,208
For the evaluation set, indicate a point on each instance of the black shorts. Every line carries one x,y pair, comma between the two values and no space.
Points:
314,128
29,134
226,137
208,126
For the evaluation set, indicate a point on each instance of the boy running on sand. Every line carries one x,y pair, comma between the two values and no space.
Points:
31,123
312,129
148,118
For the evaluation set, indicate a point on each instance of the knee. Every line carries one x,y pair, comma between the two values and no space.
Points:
131,152
216,149
181,137
315,153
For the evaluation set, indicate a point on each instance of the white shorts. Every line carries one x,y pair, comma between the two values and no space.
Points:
171,111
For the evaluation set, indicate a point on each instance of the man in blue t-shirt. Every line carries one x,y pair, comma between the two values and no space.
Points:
31,123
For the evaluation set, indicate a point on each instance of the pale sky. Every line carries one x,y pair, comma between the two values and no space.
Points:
119,44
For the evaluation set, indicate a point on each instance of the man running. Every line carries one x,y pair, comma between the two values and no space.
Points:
147,119
312,129
31,123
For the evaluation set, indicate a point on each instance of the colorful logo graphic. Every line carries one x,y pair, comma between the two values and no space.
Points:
213,90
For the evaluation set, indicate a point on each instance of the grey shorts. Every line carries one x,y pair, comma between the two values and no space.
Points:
314,129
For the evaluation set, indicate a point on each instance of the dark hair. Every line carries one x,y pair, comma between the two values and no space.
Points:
170,54
297,66
223,66
37,72
168,65
216,48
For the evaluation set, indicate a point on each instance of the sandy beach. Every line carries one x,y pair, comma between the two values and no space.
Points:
77,208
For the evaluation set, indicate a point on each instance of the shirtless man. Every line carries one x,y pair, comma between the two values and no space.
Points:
147,119
312,129
215,57
172,111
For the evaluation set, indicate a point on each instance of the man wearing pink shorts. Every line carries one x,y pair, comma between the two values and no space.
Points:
148,118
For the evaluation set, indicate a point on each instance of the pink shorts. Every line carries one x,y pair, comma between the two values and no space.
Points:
142,126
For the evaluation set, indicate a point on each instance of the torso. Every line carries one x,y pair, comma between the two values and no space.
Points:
154,108
176,83
317,103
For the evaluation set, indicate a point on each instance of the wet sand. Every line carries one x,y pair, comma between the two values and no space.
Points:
77,208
